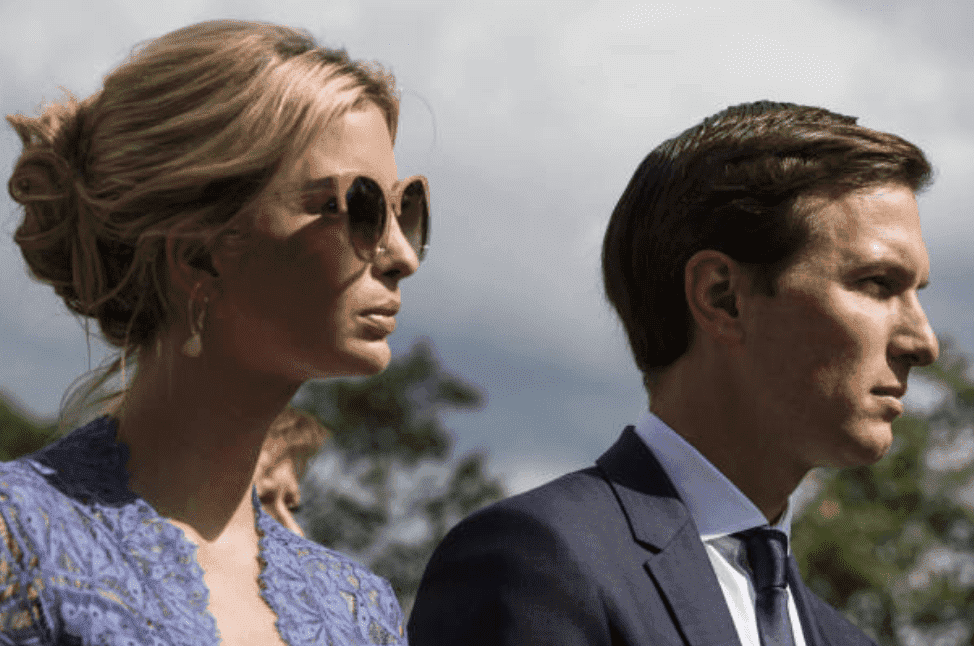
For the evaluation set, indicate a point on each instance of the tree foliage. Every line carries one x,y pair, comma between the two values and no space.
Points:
385,489
20,433
891,544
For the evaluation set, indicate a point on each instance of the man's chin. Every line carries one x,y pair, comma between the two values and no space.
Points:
869,447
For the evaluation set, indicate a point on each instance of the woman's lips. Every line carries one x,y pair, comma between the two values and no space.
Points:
381,322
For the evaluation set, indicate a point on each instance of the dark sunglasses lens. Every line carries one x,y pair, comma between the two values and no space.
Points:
366,213
414,217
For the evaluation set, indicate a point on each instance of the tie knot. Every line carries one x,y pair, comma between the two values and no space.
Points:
767,552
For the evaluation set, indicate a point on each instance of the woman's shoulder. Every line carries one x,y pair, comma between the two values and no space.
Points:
20,475
52,499
83,465
28,505
325,590
29,496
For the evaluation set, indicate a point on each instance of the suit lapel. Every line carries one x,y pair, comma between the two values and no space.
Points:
823,625
810,627
686,580
678,562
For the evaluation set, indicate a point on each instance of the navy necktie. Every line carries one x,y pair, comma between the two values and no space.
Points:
767,553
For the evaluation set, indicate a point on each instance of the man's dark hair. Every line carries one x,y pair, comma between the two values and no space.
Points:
737,183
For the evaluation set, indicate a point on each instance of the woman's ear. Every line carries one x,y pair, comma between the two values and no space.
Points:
203,261
712,285
190,267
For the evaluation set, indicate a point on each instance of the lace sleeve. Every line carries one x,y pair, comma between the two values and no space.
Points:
21,620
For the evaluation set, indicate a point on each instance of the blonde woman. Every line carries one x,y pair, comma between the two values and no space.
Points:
292,439
227,209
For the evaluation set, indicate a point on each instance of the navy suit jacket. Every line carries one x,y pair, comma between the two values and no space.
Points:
603,556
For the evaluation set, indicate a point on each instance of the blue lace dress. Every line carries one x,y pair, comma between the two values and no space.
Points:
85,561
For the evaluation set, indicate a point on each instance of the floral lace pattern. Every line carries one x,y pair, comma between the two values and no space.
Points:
84,561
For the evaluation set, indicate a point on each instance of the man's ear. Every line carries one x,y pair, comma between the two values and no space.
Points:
712,285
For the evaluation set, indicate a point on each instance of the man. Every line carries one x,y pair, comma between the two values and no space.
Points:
292,439
765,264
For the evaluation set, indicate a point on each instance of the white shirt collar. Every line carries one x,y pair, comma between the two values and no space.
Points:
715,503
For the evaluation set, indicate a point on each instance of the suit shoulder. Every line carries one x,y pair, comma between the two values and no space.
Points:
517,572
556,501
569,516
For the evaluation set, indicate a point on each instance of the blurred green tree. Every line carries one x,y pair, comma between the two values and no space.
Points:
891,544
20,433
385,488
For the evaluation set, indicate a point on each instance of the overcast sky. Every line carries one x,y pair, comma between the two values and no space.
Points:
529,118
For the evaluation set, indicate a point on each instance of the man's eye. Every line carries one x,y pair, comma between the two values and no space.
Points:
880,283
294,509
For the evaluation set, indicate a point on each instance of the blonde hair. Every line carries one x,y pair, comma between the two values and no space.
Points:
167,159
293,435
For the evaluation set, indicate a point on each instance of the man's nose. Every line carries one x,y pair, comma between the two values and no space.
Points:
917,342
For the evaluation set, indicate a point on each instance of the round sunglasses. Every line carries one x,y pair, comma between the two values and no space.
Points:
367,206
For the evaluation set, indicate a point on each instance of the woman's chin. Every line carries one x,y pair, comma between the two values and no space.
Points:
358,359
366,358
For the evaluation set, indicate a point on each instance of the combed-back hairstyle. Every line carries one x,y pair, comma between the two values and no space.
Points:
742,182
164,162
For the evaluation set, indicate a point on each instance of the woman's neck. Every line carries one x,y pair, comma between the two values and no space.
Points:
194,428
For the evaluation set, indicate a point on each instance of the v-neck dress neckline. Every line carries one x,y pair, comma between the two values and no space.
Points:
97,563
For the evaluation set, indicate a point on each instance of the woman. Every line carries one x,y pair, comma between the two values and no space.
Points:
292,439
227,208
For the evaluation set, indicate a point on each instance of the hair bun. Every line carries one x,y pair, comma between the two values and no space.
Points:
40,175
46,183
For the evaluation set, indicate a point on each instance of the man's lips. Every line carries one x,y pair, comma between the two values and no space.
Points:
892,396
893,390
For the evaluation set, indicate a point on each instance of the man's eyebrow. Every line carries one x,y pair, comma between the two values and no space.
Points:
891,265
